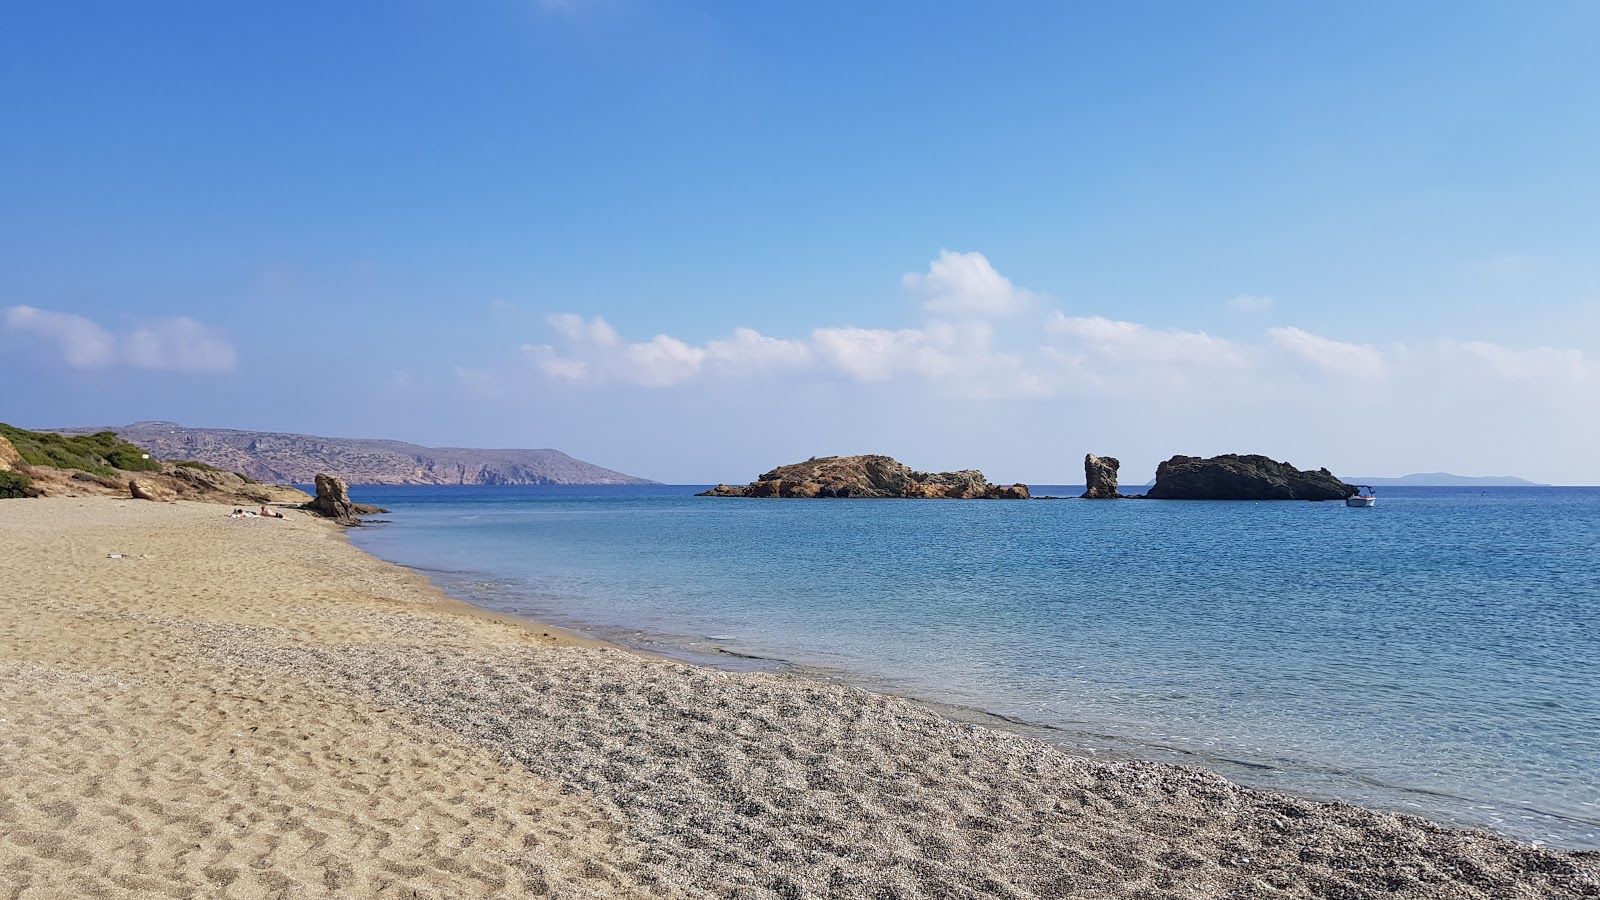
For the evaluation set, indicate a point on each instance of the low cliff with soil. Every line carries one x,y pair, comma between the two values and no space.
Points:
869,477
45,464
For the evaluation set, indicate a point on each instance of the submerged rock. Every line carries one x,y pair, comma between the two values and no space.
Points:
1234,477
871,477
1100,474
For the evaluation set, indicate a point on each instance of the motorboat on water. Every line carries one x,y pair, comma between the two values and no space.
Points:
1366,497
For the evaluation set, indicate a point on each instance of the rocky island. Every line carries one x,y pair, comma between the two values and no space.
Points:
1234,477
869,477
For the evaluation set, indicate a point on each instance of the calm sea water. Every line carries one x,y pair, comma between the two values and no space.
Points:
1438,654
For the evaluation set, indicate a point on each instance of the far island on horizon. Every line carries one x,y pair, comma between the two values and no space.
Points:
1445,479
285,458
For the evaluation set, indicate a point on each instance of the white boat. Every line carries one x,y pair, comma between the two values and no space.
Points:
1367,497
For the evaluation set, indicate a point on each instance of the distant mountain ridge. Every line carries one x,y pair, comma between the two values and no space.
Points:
1445,479
280,458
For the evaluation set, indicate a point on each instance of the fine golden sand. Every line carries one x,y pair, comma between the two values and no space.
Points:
253,708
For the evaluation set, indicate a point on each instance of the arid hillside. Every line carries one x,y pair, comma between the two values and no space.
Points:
297,458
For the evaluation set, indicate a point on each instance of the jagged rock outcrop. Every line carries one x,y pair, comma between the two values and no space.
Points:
9,457
333,501
146,489
215,486
869,477
1100,474
1235,477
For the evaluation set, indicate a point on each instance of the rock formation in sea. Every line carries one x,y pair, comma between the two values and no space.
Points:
1234,477
333,501
1100,474
871,477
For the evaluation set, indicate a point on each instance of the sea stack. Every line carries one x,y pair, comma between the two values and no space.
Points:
1100,474
333,501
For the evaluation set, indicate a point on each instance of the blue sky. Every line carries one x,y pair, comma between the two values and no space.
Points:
695,240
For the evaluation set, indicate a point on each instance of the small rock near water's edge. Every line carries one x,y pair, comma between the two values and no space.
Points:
333,501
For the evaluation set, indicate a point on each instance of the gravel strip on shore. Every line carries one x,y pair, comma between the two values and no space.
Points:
759,785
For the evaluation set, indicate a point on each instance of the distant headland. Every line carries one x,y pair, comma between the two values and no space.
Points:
298,458
1445,479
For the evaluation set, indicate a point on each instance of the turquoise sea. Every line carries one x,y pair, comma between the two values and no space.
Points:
1439,654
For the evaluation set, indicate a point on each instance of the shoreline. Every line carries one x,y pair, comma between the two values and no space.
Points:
1305,778
479,756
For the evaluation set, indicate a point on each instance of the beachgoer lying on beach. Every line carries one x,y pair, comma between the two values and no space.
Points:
271,514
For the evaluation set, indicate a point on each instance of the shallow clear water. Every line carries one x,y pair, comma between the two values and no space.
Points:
1436,654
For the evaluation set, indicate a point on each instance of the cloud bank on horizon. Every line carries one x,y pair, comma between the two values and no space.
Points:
977,342
982,337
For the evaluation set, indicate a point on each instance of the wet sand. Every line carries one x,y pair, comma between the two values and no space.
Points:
254,708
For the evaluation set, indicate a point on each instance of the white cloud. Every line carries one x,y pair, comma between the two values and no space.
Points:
662,361
1328,355
1537,365
749,352
1130,342
83,344
877,354
579,331
1282,387
1251,303
164,345
179,345
594,353
965,284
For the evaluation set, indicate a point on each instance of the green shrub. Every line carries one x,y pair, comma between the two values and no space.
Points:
14,484
196,464
102,453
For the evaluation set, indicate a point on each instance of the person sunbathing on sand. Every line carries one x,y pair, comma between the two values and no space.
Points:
271,514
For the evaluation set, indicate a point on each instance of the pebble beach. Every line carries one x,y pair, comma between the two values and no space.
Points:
199,706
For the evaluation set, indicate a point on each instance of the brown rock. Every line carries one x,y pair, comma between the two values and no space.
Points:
1234,477
333,500
867,476
9,457
145,489
1100,474
212,485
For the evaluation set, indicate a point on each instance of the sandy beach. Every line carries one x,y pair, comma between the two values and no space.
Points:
199,706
